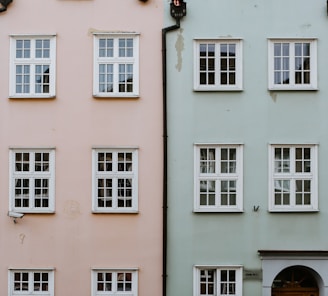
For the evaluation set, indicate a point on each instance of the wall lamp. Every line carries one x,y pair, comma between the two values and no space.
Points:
179,9
4,4
15,215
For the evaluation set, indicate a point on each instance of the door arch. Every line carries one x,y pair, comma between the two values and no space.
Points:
295,281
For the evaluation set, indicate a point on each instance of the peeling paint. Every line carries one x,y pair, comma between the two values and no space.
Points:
179,46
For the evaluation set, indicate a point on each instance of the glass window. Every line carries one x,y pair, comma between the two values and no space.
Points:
32,180
218,64
33,64
116,65
115,180
115,282
292,64
293,178
218,178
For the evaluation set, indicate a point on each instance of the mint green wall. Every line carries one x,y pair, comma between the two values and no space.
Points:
254,117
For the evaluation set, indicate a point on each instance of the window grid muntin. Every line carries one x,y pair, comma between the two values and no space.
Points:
32,180
284,72
33,282
293,184
121,78
218,177
218,281
218,64
115,188
31,53
115,282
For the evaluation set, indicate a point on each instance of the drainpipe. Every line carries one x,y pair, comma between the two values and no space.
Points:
177,10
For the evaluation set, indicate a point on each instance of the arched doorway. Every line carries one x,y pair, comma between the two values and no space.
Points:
295,281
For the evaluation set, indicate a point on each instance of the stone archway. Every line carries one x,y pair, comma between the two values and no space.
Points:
295,281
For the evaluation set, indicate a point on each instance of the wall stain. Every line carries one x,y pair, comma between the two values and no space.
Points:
179,46
273,96
72,209
22,237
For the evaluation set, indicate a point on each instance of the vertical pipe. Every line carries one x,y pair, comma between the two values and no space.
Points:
165,138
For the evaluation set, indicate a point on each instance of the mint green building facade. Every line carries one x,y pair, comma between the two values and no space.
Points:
248,148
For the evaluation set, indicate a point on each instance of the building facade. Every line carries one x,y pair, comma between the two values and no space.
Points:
81,148
247,149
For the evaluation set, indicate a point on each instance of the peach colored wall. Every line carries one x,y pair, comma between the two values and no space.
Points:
73,240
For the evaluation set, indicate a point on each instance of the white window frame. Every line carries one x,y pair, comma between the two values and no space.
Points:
115,175
33,62
292,85
116,61
218,85
237,284
219,177
114,281
31,175
291,177
30,282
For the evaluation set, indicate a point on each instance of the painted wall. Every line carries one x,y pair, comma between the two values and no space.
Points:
255,117
73,240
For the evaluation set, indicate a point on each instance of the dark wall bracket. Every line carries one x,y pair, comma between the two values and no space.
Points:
4,4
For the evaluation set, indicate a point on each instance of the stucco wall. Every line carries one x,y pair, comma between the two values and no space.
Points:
254,117
73,240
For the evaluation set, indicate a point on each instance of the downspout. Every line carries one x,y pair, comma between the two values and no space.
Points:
177,10
165,136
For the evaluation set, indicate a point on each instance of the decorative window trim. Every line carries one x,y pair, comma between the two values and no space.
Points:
115,174
133,281
32,175
30,282
217,282
217,176
218,86
292,177
312,85
33,62
116,60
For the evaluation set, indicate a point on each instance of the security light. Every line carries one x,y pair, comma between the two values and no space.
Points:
15,215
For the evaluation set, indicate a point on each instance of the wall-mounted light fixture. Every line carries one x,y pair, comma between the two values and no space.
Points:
178,9
4,4
143,0
15,215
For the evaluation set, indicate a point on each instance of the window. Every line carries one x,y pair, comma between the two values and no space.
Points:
115,180
32,180
33,67
218,178
31,282
109,282
293,178
116,65
217,280
218,65
292,64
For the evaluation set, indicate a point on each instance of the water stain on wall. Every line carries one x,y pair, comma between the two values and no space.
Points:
179,46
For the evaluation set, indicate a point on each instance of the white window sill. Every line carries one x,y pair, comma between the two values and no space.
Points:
218,210
208,88
293,88
26,96
32,211
293,210
116,96
115,212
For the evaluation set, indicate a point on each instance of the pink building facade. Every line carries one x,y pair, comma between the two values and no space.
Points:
81,148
